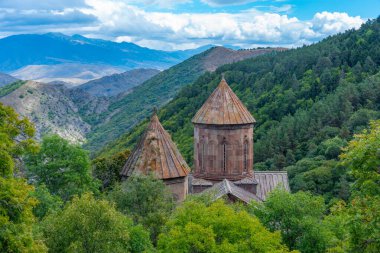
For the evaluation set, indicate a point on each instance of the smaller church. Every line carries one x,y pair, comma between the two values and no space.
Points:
223,154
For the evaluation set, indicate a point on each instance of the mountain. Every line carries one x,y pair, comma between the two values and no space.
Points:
72,74
117,83
308,102
48,106
6,79
127,110
19,51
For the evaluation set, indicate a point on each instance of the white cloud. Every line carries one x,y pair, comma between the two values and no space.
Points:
168,4
120,20
41,4
218,3
165,30
330,23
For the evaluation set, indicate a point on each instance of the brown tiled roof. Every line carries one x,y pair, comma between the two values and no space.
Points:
223,107
156,153
269,180
227,187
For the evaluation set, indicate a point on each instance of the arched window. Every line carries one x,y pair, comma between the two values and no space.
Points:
224,155
246,155
211,156
203,156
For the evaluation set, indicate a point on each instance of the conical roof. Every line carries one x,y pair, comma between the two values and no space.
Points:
223,107
156,153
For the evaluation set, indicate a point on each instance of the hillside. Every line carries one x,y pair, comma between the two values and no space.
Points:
308,102
49,107
117,83
127,110
6,79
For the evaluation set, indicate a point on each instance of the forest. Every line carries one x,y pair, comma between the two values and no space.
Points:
317,110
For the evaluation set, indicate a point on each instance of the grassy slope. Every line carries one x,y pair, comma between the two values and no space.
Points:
5,90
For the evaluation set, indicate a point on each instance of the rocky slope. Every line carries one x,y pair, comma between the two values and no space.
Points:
117,83
50,108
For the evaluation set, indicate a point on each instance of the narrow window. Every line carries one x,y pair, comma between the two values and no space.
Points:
203,157
224,155
246,156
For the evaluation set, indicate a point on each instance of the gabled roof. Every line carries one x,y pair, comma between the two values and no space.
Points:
156,153
269,180
223,107
227,187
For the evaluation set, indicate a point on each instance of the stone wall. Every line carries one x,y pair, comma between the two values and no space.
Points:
223,151
179,187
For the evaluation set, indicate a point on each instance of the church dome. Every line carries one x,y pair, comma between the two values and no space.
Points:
223,107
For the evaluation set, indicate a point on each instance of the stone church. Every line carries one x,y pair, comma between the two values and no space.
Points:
223,154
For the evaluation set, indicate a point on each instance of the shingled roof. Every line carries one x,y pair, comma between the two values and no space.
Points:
269,180
226,187
223,107
156,153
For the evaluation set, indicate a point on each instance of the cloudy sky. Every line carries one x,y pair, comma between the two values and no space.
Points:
183,24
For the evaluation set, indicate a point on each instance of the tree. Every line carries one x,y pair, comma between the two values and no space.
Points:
146,199
107,169
46,202
15,139
195,227
16,217
90,225
299,218
362,157
63,167
16,204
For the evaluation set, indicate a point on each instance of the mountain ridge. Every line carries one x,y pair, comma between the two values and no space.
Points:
55,48
115,84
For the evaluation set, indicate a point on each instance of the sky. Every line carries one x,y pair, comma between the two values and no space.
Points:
185,24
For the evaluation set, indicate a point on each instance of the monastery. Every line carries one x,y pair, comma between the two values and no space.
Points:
223,154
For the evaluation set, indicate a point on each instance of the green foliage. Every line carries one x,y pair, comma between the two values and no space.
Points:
63,167
5,90
146,199
46,202
299,218
90,225
16,217
362,157
363,224
15,139
320,176
16,204
195,227
107,169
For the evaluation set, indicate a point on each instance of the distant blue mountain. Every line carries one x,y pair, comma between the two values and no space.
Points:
18,51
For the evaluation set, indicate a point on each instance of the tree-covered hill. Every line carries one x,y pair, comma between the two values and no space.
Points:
127,110
307,102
